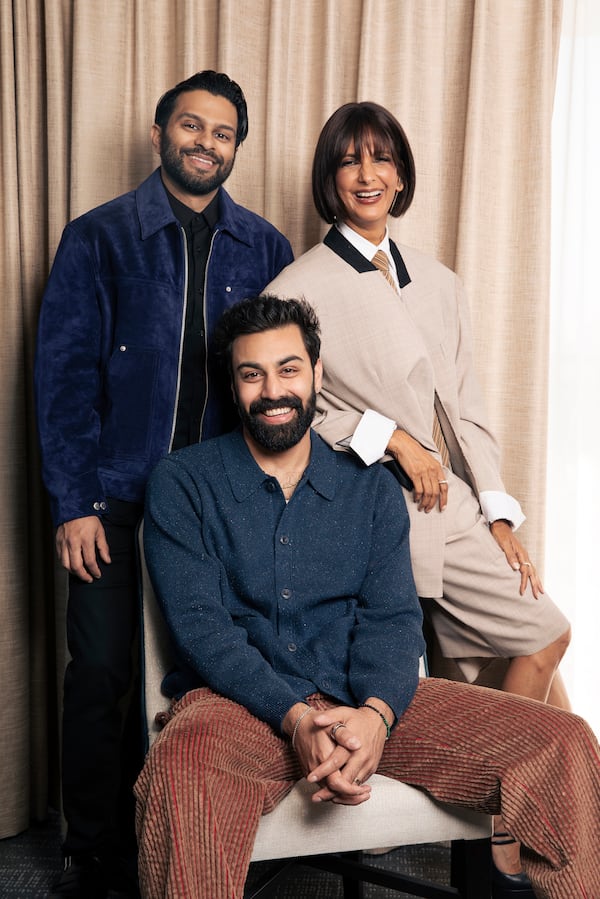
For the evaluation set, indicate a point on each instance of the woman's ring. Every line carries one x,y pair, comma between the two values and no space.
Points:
335,729
442,482
526,563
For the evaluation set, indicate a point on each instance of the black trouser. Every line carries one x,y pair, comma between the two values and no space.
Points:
102,742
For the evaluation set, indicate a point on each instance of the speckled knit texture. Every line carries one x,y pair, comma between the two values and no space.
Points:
215,769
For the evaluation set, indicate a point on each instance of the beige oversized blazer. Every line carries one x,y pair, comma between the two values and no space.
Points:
392,354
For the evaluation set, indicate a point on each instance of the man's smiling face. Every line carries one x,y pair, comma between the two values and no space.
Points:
275,386
197,146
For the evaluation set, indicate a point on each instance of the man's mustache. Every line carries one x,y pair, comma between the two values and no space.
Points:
200,149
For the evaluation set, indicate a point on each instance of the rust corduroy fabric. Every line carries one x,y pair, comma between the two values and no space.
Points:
215,769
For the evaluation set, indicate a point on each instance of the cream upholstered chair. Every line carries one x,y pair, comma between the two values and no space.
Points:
321,835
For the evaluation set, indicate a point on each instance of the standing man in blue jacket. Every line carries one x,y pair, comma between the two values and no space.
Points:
125,374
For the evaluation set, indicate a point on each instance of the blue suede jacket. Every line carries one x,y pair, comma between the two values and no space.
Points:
111,333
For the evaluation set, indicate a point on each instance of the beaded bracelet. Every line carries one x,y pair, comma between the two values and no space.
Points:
297,724
388,729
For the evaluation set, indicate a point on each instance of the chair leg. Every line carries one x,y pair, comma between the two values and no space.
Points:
266,886
353,888
471,868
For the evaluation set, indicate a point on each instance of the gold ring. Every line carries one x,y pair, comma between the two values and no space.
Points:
526,563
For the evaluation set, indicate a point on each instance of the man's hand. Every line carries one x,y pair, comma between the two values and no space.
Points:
516,556
77,542
340,764
424,470
314,746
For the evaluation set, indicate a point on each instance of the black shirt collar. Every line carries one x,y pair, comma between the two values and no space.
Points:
185,215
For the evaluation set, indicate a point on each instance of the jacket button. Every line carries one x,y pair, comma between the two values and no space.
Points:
228,289
123,348
286,593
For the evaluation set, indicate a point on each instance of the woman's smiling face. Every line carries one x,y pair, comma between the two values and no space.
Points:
367,186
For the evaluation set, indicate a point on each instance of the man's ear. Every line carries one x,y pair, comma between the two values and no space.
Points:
318,375
155,136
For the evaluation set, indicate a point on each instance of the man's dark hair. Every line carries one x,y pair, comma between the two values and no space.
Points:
371,127
264,313
216,83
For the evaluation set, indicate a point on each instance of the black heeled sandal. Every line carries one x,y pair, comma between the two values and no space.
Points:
509,886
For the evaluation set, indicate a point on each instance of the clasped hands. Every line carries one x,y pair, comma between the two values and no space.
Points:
340,766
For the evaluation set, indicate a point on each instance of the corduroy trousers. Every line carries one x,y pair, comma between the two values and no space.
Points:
215,769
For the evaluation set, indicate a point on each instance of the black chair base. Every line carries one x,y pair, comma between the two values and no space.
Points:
470,874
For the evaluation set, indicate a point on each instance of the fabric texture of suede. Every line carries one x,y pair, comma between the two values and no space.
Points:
110,335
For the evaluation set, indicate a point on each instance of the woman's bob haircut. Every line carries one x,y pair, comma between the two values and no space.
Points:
370,127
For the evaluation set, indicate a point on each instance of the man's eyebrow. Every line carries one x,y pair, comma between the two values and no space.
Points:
197,118
284,361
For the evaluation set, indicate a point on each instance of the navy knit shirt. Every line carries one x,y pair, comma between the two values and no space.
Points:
268,601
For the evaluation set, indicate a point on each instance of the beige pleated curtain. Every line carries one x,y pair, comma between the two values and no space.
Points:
472,82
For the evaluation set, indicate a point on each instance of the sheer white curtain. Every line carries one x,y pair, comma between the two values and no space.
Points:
573,501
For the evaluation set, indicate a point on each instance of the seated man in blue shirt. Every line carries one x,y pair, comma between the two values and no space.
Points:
282,569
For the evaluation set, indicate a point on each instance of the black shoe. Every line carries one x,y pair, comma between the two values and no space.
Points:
82,878
509,886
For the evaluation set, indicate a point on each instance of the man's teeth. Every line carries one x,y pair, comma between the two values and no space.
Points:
282,411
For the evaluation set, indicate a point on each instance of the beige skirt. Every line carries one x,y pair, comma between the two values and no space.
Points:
482,613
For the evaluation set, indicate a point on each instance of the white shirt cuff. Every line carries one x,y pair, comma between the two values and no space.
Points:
372,435
495,504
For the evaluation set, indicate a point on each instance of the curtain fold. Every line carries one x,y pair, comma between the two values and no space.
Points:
573,495
471,81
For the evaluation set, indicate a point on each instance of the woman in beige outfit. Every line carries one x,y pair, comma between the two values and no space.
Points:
398,368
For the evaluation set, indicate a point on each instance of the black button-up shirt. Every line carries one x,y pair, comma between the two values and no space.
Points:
193,388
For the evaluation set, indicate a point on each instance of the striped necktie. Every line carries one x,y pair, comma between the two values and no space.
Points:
438,435
381,261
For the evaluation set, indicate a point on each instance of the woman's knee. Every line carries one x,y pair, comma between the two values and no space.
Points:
552,654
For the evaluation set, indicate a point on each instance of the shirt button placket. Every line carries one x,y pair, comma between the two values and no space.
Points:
285,593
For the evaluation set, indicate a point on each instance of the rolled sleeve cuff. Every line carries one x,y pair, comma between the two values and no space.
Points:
372,435
495,504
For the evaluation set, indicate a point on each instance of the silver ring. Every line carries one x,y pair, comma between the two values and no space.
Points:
357,782
526,563
335,729
442,482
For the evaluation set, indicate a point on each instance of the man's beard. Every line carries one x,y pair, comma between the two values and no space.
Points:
197,184
278,438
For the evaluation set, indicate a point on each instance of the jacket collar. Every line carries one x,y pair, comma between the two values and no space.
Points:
155,213
246,477
344,249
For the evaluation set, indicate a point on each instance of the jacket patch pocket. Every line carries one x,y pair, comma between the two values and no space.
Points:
130,393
